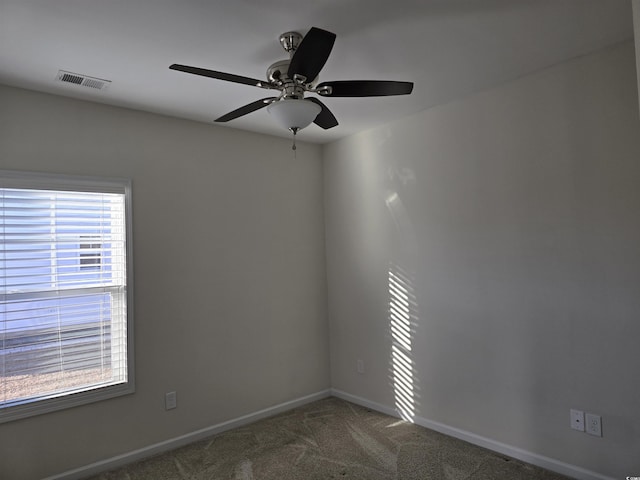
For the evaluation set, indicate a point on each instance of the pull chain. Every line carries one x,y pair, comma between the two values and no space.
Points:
293,147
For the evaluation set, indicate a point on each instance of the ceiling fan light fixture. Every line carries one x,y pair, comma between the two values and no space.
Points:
294,114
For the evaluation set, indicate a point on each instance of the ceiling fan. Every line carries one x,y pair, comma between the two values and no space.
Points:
297,76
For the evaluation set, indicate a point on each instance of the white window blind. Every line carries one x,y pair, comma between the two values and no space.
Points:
63,296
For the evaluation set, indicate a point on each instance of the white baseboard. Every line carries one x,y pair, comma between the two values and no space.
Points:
134,456
508,450
513,452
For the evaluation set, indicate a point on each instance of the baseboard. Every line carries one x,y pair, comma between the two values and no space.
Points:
155,449
140,454
508,450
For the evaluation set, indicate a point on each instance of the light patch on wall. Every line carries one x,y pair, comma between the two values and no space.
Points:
402,311
403,305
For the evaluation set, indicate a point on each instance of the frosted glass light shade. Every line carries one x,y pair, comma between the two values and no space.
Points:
294,114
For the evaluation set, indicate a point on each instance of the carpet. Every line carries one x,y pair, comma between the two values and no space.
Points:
330,439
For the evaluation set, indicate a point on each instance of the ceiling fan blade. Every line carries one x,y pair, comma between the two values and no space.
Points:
365,88
311,54
252,107
325,118
219,75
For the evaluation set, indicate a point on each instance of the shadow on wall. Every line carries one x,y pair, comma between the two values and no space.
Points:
403,312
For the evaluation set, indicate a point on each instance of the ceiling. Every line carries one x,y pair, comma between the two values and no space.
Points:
448,48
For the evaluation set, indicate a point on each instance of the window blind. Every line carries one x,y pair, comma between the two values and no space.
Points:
63,291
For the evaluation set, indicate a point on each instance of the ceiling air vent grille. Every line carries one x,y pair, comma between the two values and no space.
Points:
82,80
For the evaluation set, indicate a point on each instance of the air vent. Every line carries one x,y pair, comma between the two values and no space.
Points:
82,80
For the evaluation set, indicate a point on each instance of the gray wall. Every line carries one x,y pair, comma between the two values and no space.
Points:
230,297
495,242
636,28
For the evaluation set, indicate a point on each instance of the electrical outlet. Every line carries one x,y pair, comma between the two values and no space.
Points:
360,366
577,419
593,424
170,400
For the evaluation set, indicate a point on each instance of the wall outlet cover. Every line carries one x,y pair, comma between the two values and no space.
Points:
170,400
577,419
593,424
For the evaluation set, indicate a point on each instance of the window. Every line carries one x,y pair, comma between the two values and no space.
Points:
65,296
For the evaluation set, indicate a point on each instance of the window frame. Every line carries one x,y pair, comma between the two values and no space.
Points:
74,183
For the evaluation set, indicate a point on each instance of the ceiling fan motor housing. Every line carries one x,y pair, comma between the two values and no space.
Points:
277,71
291,87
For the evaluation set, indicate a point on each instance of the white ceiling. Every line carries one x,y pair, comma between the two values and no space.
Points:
448,48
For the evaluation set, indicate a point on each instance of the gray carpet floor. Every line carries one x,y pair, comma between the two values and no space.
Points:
330,439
